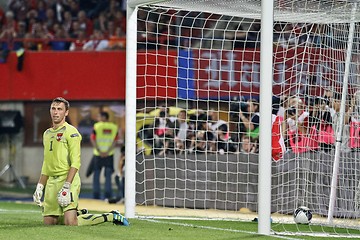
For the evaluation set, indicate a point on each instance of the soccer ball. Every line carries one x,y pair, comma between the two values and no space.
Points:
302,215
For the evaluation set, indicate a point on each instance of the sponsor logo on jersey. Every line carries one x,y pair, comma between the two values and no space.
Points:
59,136
74,135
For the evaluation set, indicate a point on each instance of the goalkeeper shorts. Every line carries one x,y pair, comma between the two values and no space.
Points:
52,188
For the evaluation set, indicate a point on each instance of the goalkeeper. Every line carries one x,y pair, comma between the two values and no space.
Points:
60,174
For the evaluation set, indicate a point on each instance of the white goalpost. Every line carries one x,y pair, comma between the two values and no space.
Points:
342,112
209,81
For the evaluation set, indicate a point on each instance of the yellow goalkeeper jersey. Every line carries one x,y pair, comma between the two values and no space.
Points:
105,134
61,150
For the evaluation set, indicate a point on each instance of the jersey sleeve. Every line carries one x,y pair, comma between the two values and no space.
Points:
74,144
44,168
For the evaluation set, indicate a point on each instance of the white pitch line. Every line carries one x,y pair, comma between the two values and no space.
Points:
18,211
211,228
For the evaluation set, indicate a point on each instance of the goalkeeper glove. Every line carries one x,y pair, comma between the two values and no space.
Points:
38,194
64,195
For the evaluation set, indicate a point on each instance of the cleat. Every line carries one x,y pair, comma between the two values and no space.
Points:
119,219
82,211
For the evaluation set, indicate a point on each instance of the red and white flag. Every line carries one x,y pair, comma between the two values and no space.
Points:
278,143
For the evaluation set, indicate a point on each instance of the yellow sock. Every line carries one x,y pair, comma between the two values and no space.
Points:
93,219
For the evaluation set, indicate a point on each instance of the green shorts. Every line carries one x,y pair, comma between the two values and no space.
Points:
53,186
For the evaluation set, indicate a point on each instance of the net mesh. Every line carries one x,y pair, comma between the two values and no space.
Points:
198,81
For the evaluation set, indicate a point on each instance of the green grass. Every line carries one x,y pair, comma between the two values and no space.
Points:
19,220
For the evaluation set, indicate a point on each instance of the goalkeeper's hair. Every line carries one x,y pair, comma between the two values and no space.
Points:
62,100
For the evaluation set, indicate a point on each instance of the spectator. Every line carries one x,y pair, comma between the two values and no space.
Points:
301,136
120,179
41,36
19,8
85,23
59,43
74,9
86,124
10,22
320,118
2,18
147,36
94,7
119,20
75,29
118,40
98,43
355,123
219,129
160,127
181,138
59,8
110,28
250,118
197,129
285,35
100,22
248,145
22,29
335,102
50,20
31,19
113,8
103,140
40,11
67,22
169,136
21,34
278,147
7,37
79,43
28,42
200,142
238,34
253,35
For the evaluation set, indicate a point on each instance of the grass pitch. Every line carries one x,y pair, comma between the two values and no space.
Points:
24,220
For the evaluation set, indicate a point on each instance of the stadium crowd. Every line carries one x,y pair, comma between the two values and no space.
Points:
101,25
63,25
308,125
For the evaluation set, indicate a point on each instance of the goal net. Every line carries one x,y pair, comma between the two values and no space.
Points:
197,111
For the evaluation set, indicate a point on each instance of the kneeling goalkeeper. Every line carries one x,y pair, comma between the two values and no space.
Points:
60,174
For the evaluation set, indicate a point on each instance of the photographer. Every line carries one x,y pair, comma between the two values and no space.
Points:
251,118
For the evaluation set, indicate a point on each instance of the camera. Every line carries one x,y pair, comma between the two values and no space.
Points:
291,111
162,114
235,108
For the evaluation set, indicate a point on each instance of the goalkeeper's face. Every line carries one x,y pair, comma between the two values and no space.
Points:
58,112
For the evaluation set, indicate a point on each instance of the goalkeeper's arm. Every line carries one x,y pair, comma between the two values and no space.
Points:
43,179
71,174
40,189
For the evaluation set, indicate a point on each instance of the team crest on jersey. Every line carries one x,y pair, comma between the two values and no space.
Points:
59,136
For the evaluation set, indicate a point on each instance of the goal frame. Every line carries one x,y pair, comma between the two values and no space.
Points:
266,73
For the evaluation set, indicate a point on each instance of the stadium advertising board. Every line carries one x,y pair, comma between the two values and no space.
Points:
225,74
